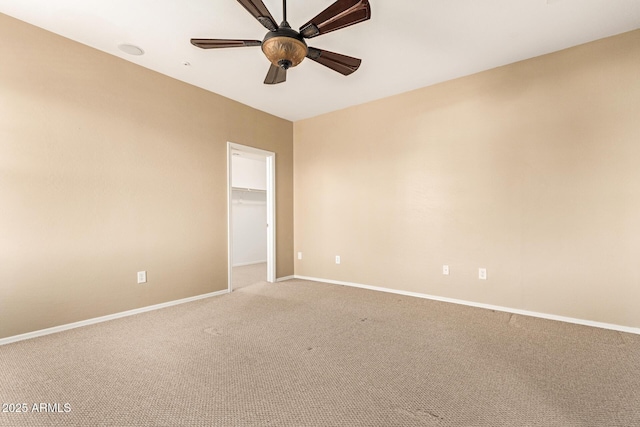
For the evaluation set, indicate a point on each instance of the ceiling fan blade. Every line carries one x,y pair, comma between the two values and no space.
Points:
260,12
340,63
275,75
221,43
340,14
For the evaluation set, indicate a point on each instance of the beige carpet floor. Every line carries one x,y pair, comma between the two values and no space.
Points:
248,275
301,353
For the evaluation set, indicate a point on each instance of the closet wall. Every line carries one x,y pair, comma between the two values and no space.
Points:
249,210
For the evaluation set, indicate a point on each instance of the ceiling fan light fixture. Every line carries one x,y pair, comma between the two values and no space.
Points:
283,49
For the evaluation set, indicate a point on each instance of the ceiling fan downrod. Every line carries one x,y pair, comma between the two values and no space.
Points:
284,10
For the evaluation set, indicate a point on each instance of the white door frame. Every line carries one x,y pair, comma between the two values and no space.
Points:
271,209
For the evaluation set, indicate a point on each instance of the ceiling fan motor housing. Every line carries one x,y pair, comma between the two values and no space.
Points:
284,47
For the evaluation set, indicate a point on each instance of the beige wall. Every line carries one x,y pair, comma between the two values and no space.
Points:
107,168
531,170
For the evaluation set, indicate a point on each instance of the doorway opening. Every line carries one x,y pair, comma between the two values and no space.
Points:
251,215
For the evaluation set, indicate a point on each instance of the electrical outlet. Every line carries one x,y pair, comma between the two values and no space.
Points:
337,259
299,255
445,270
142,277
482,274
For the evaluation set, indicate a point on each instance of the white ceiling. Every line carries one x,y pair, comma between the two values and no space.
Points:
407,44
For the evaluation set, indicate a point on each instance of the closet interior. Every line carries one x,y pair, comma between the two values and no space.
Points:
249,219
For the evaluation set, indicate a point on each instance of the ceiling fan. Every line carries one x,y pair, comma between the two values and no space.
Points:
286,47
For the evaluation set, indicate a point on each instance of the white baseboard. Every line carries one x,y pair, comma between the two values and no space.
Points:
242,264
282,279
106,318
583,322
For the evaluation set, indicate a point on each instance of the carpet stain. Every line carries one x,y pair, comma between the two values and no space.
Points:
363,319
431,414
621,343
513,321
212,331
424,415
